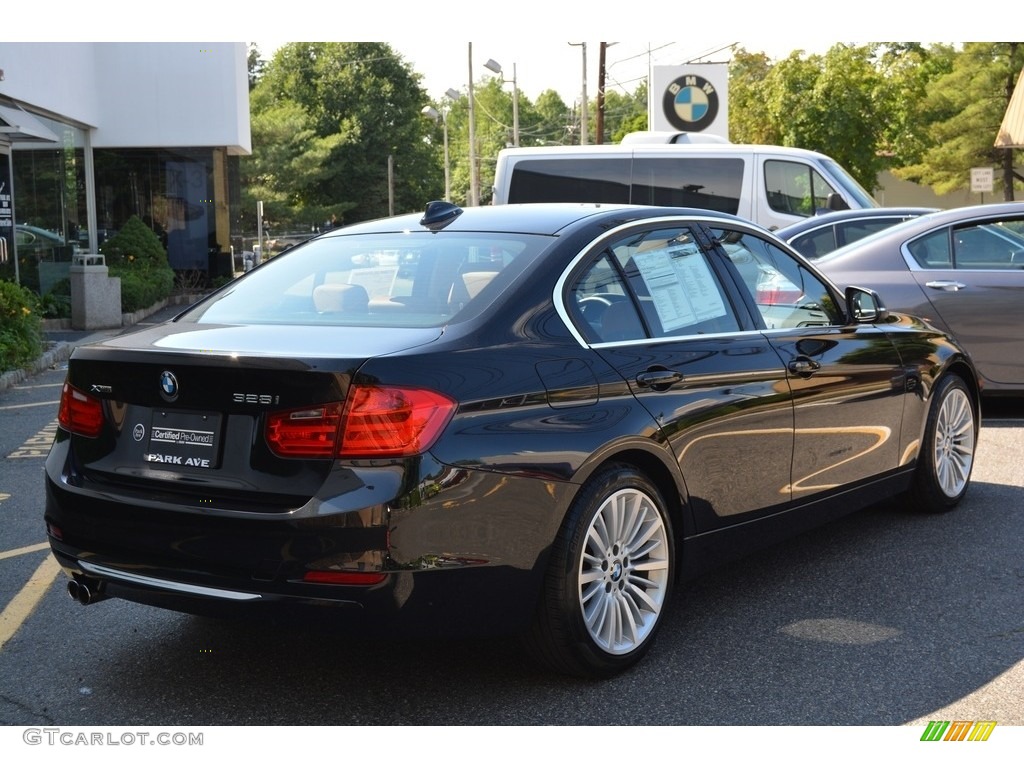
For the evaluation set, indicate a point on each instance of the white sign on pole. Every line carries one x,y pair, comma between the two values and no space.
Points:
689,97
981,180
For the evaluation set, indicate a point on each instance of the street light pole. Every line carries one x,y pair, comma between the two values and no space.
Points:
583,105
495,67
433,114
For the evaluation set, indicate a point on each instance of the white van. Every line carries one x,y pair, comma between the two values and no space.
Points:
773,186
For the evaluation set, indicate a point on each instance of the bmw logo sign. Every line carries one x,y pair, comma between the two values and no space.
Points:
168,386
690,103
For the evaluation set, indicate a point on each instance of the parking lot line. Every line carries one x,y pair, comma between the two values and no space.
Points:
21,607
24,550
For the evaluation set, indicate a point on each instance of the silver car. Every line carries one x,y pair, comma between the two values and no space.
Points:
962,270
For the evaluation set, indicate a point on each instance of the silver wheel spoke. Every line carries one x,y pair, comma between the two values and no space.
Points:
953,449
624,570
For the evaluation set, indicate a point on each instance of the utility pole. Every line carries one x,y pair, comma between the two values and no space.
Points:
599,139
474,171
583,105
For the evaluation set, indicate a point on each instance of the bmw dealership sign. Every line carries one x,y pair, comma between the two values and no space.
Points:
690,97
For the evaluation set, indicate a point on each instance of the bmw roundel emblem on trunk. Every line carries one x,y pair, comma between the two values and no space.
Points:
168,386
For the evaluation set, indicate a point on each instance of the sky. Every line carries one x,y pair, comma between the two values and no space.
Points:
533,35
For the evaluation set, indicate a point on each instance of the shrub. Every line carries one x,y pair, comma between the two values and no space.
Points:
20,334
141,287
134,243
136,255
57,303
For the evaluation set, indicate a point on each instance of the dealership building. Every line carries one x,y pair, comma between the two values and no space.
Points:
94,133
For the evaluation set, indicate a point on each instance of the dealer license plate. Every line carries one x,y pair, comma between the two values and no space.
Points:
186,440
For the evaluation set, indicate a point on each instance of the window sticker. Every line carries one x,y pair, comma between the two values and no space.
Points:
681,284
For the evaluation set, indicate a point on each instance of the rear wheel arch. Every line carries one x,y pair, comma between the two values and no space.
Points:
656,467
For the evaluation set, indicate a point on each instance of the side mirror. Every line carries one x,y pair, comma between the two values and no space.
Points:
835,202
865,306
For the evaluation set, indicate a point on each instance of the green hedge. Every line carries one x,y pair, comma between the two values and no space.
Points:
21,339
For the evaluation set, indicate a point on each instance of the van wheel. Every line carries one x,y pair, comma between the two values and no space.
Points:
609,578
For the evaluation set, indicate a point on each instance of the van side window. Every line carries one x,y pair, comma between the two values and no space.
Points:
584,180
714,183
795,188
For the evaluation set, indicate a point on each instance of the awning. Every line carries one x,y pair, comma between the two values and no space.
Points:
1011,132
18,125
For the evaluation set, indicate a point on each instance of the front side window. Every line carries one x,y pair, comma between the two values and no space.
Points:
795,188
786,292
994,245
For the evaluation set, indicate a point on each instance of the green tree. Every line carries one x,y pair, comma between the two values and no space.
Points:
963,109
907,70
749,118
832,103
255,64
624,113
328,118
553,117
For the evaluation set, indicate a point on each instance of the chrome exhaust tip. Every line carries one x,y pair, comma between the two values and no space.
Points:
86,591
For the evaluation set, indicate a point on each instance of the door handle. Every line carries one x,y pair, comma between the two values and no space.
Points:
803,366
946,285
658,379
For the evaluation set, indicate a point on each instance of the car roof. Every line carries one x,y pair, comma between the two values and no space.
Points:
531,218
824,219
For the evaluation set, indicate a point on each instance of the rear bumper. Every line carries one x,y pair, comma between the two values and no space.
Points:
466,557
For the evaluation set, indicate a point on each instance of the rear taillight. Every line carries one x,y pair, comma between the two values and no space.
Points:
374,422
80,413
305,433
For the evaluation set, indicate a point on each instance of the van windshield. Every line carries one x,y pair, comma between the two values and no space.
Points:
851,190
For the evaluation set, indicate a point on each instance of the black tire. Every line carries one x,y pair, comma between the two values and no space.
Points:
947,450
609,579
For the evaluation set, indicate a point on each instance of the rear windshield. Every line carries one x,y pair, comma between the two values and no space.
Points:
412,279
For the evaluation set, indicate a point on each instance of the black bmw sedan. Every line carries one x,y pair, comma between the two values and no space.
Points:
529,419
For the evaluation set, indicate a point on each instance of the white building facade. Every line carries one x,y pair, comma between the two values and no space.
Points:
94,133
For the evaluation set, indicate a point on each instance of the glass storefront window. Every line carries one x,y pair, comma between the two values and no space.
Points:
49,204
170,190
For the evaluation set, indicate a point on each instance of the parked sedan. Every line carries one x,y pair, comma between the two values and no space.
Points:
962,270
537,425
818,235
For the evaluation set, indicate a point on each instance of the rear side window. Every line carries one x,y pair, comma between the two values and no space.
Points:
650,285
714,183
